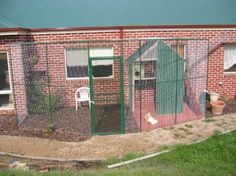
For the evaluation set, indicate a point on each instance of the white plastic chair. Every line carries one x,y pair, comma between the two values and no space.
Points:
81,95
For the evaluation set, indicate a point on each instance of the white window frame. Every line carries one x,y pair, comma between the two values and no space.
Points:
7,92
87,77
65,63
225,72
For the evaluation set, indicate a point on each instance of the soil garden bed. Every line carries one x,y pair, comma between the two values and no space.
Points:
71,125
68,124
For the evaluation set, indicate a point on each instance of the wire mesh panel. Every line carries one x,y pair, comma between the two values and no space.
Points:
135,85
169,77
107,106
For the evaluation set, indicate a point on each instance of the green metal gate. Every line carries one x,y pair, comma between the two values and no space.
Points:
106,95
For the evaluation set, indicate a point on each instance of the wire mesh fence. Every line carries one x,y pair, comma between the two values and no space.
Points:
135,85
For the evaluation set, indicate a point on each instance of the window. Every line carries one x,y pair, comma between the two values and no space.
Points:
5,85
77,62
230,58
148,64
147,68
102,68
180,49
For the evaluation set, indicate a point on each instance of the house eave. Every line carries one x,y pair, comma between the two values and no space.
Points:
25,31
134,27
13,31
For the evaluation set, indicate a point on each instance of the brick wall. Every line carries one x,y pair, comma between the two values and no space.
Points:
7,43
68,87
216,50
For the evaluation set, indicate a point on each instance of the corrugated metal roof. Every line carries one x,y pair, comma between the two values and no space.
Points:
94,13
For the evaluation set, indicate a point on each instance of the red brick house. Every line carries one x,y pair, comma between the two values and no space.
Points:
47,26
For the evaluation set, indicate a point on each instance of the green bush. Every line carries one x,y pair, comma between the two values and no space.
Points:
40,102
51,101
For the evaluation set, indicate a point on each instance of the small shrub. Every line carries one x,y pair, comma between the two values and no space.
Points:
51,102
50,128
209,120
188,125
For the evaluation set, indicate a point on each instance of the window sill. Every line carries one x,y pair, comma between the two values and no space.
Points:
229,73
70,79
5,92
8,107
87,78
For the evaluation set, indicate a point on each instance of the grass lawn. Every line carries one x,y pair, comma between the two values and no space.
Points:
216,156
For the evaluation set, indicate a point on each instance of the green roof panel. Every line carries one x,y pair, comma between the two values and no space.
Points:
93,13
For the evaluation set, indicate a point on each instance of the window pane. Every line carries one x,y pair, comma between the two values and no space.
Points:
6,101
77,63
4,73
180,49
102,68
101,52
230,58
102,71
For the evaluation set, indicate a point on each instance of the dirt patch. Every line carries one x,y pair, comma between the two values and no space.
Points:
46,165
101,147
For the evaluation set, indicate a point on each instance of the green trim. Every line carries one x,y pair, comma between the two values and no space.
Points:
111,100
177,76
92,113
131,87
141,86
107,93
122,96
106,133
106,58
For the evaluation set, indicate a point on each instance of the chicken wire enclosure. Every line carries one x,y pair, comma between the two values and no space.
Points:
135,85
168,81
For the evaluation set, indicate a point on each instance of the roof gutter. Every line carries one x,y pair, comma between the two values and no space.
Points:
14,31
119,28
132,27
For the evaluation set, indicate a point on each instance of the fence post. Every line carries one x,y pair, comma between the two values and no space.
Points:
49,88
140,85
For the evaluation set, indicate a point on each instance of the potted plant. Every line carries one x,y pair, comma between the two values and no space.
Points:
214,96
217,107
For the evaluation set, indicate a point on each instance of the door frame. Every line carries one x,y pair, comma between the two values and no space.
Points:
91,85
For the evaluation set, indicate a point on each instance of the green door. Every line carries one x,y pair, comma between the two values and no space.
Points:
170,80
106,95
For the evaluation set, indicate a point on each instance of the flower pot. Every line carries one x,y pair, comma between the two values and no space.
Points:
214,96
217,107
